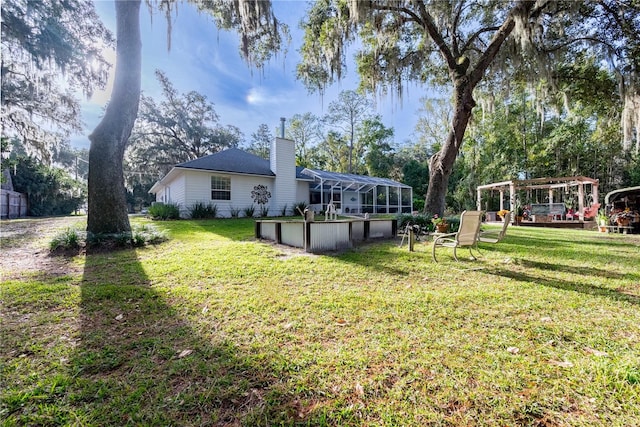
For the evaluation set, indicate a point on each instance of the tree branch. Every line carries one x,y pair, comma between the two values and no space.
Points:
400,10
430,25
498,39
476,35
591,39
454,26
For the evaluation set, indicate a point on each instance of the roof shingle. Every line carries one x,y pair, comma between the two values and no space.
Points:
231,160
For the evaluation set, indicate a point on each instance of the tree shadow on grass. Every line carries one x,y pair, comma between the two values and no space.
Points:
590,241
580,270
565,285
237,229
392,257
144,358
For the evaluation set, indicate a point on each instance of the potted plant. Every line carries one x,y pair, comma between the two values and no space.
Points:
623,218
503,214
603,220
441,224
519,213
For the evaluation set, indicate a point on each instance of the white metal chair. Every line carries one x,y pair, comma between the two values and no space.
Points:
465,237
492,236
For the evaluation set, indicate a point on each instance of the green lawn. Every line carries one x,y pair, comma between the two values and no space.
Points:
214,328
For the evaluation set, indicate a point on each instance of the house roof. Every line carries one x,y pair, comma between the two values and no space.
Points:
231,160
301,175
235,160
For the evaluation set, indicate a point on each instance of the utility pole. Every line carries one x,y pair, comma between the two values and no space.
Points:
79,159
76,174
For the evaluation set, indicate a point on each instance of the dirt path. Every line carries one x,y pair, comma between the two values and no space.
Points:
25,246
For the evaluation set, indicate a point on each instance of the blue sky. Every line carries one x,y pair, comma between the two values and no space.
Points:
207,60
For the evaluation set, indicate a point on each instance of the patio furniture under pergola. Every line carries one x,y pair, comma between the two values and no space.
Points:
585,187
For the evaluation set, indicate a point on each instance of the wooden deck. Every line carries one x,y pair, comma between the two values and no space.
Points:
586,225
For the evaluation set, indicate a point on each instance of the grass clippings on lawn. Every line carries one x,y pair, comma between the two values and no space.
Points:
215,328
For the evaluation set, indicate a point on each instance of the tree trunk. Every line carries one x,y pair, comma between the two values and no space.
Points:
441,163
107,207
464,81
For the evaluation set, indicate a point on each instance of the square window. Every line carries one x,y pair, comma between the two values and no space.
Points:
220,187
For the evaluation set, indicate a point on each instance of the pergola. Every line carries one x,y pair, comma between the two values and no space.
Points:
550,184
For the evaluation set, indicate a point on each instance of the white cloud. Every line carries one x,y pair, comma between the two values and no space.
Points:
256,96
262,96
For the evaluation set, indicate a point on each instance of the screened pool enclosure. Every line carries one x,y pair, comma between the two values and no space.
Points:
357,194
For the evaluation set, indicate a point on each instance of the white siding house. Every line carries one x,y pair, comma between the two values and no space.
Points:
231,178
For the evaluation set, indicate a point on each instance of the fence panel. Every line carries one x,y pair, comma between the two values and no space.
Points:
12,204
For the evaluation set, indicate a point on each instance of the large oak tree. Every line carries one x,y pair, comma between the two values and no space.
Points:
459,43
261,36
107,205
175,129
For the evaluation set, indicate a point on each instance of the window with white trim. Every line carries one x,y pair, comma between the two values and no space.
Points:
220,187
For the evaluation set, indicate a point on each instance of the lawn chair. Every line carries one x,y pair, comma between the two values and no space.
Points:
465,237
492,236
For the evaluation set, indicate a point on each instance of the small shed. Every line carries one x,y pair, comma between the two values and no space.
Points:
547,192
